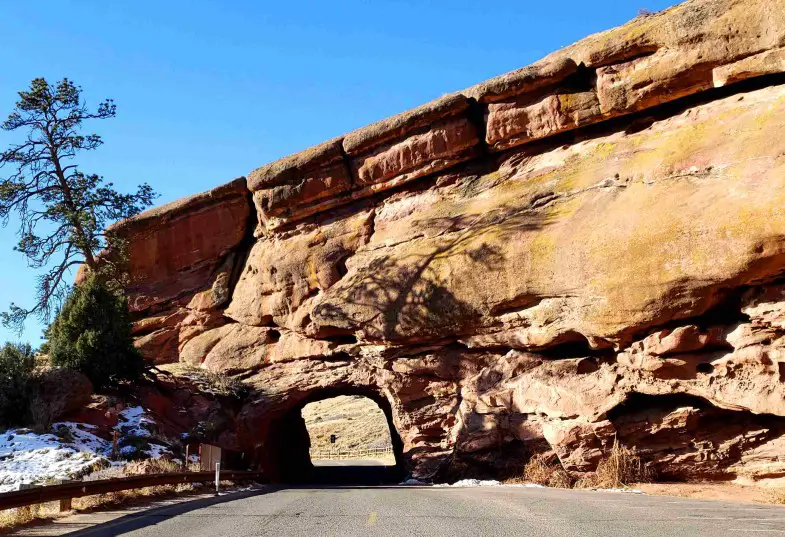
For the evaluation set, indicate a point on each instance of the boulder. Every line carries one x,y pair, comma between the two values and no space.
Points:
62,391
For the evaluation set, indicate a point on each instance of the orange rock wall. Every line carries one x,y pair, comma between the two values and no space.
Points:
588,248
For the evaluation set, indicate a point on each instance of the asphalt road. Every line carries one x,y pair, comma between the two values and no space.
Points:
450,512
353,472
350,462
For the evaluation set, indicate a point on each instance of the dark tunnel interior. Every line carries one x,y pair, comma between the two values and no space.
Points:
288,458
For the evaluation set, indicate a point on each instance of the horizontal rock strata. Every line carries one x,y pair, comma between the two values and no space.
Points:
587,250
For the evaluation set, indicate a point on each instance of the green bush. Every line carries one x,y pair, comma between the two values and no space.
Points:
92,335
138,445
17,383
64,434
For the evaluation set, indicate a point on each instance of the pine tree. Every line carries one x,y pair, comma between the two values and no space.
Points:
92,334
63,211
17,383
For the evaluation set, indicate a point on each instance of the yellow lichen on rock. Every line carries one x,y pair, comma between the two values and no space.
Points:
688,222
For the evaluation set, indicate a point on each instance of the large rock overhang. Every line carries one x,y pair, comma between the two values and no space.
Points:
512,264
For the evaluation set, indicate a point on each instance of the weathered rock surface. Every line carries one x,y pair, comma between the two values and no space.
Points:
587,249
180,262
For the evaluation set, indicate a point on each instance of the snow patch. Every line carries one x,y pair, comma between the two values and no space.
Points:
475,483
72,451
472,483
494,483
26,457
624,491
489,483
132,423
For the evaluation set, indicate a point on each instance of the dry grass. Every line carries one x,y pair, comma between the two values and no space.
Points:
126,497
208,381
147,467
357,421
777,497
152,466
619,469
560,479
12,518
543,471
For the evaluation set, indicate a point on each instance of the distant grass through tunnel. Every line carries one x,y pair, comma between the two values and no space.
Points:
357,424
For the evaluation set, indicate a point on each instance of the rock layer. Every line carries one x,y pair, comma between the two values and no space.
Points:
588,249
180,260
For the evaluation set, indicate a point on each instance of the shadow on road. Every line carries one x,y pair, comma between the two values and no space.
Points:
150,517
345,474
352,473
337,474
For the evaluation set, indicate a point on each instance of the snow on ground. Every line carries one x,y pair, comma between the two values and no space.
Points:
625,491
26,457
494,483
472,483
72,451
490,483
475,483
133,423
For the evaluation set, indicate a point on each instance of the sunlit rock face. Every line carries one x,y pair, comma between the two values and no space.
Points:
587,249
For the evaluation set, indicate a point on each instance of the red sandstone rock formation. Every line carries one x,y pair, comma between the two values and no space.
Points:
589,248
180,259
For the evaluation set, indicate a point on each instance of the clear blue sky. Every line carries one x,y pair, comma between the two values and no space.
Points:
207,91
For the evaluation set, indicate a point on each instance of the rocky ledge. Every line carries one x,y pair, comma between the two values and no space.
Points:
587,249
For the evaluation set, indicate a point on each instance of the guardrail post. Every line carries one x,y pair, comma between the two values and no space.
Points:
66,504
217,476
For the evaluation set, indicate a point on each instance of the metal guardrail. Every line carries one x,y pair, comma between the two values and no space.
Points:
78,489
347,454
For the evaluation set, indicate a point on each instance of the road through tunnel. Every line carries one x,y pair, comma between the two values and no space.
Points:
336,436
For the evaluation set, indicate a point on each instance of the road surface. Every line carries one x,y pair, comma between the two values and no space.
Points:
351,462
449,511
353,472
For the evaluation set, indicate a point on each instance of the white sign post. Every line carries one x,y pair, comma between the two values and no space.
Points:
217,476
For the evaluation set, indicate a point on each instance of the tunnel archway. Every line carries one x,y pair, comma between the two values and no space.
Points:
287,446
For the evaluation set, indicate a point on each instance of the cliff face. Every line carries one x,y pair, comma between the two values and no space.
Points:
588,248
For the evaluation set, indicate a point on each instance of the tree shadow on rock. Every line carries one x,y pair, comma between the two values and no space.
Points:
410,293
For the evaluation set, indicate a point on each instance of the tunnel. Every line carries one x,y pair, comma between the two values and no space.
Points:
287,453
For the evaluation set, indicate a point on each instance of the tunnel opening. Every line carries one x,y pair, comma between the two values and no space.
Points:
348,428
336,436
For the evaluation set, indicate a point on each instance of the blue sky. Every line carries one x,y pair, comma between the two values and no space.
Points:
207,91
